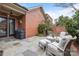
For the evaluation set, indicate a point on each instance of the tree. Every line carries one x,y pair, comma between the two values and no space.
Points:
76,19
68,23
63,20
42,29
71,27
71,24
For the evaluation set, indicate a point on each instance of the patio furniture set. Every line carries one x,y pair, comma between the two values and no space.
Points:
57,46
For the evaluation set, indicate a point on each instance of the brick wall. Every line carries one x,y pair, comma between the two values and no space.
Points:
58,29
33,18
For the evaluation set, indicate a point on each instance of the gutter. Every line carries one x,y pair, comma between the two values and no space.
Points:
21,6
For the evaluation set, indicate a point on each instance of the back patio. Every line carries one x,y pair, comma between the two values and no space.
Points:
15,17
25,47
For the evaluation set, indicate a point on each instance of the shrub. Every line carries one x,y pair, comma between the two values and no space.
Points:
42,29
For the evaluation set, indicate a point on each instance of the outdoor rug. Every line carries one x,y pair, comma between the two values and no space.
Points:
29,53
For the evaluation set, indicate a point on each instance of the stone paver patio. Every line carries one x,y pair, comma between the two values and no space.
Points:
18,47
25,47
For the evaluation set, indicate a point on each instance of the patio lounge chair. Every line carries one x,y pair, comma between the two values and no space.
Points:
49,39
44,42
60,49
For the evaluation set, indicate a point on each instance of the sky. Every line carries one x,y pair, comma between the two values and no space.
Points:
53,9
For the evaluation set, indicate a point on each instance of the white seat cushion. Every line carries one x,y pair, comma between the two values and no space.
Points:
44,42
50,38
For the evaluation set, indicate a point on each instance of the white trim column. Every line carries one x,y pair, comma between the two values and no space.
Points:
8,25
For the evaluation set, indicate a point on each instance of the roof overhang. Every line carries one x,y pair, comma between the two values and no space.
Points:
16,9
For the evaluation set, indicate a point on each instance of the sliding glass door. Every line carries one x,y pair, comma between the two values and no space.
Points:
4,27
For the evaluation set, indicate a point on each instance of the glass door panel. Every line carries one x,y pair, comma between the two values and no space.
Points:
3,26
11,26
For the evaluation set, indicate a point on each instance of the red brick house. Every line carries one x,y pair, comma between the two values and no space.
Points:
14,16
